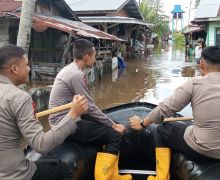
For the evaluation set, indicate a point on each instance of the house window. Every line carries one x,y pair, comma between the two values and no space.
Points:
217,37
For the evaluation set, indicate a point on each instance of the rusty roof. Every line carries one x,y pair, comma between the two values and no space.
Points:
12,8
10,5
41,23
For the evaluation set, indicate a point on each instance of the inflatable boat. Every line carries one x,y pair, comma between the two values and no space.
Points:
137,155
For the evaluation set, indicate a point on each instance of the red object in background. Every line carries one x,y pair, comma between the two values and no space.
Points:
34,105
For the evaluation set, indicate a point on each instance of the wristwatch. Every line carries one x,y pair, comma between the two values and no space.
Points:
142,124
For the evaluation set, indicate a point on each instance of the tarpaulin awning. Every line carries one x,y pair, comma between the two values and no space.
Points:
41,23
192,29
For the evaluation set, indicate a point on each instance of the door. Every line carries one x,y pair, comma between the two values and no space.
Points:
217,37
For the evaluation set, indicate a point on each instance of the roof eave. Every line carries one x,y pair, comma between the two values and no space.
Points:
70,10
123,5
138,10
207,19
114,19
41,23
94,12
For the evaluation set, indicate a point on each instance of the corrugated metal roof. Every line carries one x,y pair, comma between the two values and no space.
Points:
95,5
14,6
8,14
10,5
11,8
114,19
41,23
209,1
207,9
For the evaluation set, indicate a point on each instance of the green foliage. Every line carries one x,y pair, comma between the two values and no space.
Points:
150,10
197,3
179,37
179,40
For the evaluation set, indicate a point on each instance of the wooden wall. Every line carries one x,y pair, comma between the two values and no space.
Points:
4,35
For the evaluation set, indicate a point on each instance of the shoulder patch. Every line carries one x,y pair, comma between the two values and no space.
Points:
85,81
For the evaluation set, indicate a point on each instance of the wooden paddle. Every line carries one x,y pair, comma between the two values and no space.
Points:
53,110
177,119
68,106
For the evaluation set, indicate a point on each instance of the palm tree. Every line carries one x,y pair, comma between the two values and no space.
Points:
24,32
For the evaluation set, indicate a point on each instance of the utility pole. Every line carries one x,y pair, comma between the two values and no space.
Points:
190,6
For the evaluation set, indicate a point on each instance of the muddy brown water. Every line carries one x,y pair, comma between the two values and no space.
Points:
149,78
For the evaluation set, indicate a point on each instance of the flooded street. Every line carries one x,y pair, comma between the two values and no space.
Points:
147,79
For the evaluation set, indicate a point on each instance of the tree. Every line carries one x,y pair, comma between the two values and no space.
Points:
197,3
150,9
24,32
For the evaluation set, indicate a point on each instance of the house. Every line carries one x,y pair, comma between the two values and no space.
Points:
54,27
194,32
121,18
208,16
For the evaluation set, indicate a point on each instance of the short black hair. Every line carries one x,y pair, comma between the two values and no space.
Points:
8,52
81,47
211,55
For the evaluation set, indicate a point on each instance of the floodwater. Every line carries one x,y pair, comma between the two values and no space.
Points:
149,78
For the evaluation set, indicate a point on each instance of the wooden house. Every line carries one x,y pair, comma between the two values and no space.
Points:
208,16
54,27
121,18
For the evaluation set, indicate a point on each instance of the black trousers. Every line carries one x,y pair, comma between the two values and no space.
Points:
91,132
171,135
51,170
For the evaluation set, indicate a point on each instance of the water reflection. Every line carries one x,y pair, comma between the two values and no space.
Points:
188,71
151,78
